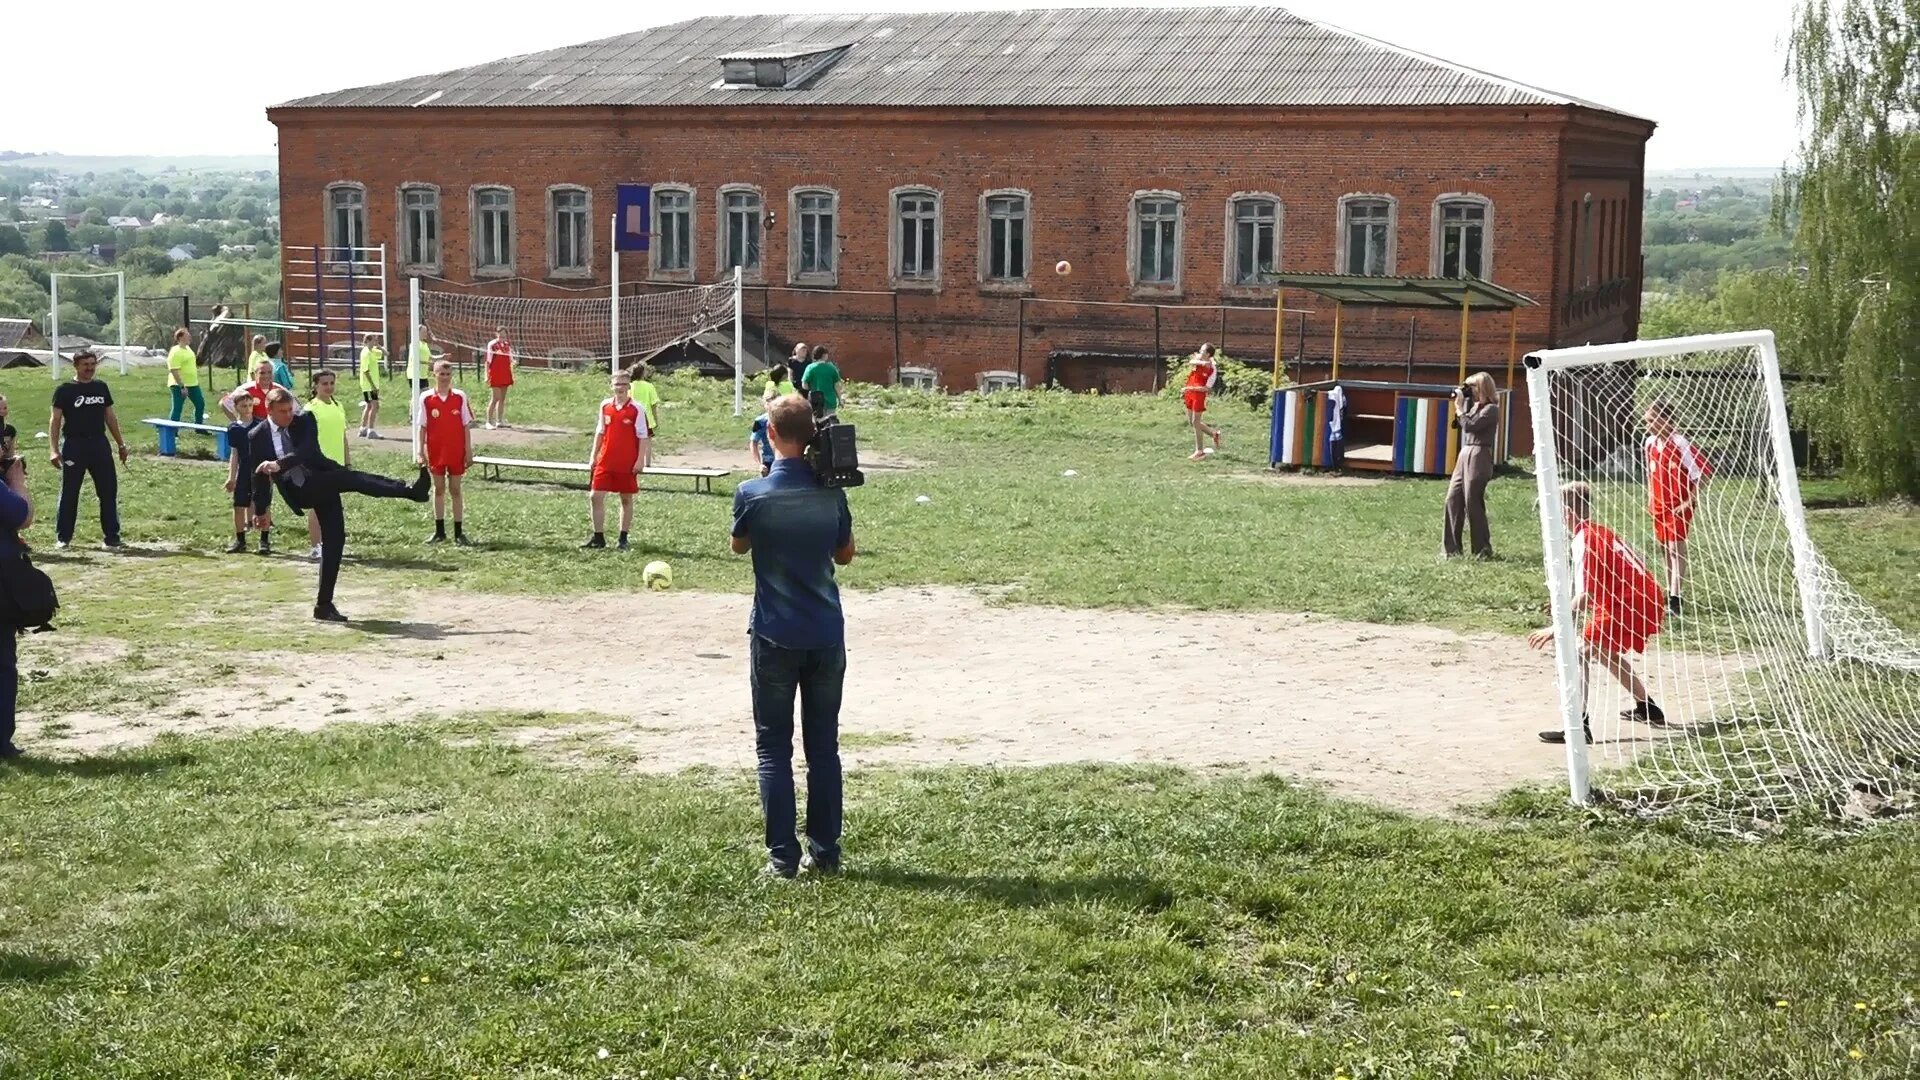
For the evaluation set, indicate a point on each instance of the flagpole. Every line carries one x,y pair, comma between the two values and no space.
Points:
613,322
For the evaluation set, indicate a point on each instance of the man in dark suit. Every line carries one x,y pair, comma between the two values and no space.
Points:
288,450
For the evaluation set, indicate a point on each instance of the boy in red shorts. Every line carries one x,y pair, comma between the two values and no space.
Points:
618,435
1621,602
445,421
1675,471
1202,370
499,377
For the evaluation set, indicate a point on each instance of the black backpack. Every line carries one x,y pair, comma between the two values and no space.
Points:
27,599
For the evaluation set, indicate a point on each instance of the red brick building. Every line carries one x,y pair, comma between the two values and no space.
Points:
1174,156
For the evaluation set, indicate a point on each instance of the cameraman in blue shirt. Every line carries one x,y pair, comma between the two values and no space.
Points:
797,531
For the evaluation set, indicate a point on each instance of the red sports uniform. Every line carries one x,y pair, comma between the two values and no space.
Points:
1626,603
621,428
259,395
1675,470
1199,377
443,423
499,363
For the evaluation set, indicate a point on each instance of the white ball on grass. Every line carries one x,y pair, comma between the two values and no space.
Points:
657,576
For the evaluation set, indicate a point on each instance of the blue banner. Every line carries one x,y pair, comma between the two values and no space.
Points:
635,217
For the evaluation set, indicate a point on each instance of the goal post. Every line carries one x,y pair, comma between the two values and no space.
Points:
120,314
1762,685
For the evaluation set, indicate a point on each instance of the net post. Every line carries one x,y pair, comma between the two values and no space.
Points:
1279,328
739,344
1787,479
412,371
53,328
613,294
120,279
385,341
1559,556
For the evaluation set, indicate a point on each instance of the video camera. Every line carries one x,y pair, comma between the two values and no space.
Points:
831,451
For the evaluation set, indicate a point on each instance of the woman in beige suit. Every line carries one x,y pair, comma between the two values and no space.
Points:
1477,413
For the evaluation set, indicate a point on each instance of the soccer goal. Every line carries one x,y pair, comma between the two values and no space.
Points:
119,310
599,329
1784,691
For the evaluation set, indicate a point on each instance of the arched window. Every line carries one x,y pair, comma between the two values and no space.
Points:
672,245
742,214
1253,238
346,218
1154,240
1368,224
813,245
1463,236
1005,237
569,231
420,227
915,246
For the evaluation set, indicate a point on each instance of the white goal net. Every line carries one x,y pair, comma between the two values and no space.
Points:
1784,692
577,331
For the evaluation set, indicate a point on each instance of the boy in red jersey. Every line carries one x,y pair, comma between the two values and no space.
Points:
618,435
1675,471
499,377
445,421
1620,600
1202,371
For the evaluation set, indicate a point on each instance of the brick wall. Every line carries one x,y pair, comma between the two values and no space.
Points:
1081,167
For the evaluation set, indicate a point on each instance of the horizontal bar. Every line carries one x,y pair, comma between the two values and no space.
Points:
1582,355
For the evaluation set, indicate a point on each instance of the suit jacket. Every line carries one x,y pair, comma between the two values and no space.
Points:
299,466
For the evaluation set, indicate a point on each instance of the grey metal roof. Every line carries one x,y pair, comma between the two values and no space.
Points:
1257,56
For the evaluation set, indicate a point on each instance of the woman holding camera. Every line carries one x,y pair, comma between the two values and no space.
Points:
1477,415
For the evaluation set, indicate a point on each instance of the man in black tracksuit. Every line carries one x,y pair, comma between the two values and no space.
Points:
77,436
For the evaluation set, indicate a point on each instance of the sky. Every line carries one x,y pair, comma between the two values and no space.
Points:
199,79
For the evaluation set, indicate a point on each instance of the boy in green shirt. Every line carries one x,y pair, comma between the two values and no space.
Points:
649,400
821,375
183,378
372,359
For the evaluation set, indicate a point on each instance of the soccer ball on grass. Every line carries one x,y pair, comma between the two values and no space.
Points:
657,576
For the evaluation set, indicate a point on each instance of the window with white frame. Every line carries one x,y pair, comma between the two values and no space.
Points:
919,378
1255,239
569,245
740,222
1156,240
814,244
916,252
1461,231
492,230
992,382
1005,240
1366,236
420,226
346,218
672,229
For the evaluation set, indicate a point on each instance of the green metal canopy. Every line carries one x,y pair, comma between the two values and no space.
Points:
1417,292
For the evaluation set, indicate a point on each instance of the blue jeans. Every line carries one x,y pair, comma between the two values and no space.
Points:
817,674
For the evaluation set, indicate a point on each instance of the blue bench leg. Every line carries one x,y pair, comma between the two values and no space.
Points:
168,439
220,447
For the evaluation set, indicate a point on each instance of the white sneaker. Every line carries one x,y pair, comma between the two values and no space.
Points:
62,545
315,553
489,425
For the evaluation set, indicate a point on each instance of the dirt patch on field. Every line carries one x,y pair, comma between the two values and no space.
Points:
1289,478
1413,717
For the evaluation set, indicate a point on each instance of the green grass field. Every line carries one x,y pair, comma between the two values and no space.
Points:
435,899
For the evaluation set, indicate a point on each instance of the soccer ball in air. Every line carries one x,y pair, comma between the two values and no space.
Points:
1063,268
657,576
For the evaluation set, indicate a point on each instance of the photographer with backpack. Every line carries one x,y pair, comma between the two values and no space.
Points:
16,513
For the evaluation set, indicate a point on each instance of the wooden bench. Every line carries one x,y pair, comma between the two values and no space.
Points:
169,432
491,467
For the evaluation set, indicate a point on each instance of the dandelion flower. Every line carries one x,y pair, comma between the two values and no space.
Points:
1855,1054
1352,977
426,978
1781,1004
1458,993
1859,1006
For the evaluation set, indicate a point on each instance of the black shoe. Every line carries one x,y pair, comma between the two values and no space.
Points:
777,869
111,545
460,540
422,487
8,751
1673,604
437,538
623,545
1646,712
819,867
1559,737
266,547
328,613
238,547
595,541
